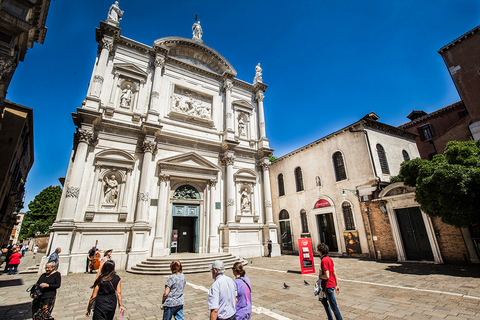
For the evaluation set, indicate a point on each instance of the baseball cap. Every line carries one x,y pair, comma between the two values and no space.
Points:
218,264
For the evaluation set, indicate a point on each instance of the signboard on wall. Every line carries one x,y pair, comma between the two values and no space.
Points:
174,239
322,203
306,255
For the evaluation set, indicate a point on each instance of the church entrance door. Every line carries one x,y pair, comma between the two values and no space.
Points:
186,222
414,234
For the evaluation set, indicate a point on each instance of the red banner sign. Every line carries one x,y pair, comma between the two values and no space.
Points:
306,255
322,203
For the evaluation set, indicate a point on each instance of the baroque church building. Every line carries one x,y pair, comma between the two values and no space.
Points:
170,155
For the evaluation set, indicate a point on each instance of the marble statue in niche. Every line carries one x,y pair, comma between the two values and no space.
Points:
114,13
110,189
192,104
197,31
258,74
126,97
242,132
245,201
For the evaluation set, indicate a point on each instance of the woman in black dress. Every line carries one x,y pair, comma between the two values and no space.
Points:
50,281
106,288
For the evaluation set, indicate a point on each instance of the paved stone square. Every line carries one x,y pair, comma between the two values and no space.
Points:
369,290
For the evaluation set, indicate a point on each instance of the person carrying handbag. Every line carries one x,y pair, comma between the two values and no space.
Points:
106,288
329,284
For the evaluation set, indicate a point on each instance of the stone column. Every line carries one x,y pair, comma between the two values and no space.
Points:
228,160
214,220
96,86
266,192
83,136
154,109
159,241
143,197
227,88
261,116
94,194
126,193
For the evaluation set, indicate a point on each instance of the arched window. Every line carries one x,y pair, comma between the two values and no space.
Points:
186,192
382,157
283,215
281,187
318,182
339,166
348,216
299,179
304,221
406,156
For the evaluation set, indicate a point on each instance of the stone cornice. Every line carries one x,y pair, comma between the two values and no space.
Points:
389,129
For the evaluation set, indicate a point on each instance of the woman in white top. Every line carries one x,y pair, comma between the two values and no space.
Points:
106,256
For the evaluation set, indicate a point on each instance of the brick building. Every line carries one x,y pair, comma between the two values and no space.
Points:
436,128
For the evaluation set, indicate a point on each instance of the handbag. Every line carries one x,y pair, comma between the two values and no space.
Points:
35,291
318,287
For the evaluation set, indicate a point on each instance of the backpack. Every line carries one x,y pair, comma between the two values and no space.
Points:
35,291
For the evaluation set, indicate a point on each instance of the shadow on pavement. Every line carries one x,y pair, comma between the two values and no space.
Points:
427,269
16,311
11,282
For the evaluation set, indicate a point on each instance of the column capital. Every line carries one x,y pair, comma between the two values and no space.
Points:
212,182
83,135
107,43
260,96
149,146
159,61
163,177
264,165
228,160
227,86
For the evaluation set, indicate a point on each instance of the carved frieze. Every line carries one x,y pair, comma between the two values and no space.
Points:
98,79
192,104
143,196
268,204
6,67
230,202
72,192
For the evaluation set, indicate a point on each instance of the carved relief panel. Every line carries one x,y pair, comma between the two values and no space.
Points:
186,103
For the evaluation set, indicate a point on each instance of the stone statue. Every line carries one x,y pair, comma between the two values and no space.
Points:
126,97
258,74
241,127
245,201
115,14
111,189
197,31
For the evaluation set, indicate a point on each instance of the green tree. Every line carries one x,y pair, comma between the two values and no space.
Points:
448,186
272,158
42,212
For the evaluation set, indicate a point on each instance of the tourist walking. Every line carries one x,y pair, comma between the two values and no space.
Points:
35,250
49,282
54,257
244,293
106,257
222,294
14,261
330,283
24,248
106,288
173,299
269,246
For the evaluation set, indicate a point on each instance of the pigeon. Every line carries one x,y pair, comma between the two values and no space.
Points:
285,286
306,283
251,262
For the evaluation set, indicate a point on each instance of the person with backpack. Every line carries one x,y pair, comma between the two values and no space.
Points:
244,293
329,283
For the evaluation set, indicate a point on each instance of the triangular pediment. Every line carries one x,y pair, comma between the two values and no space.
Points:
243,103
130,68
188,161
114,158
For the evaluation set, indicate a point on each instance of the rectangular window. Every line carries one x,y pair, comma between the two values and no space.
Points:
427,131
303,218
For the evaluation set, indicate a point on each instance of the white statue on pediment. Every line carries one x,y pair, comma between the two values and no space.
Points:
115,14
197,31
258,74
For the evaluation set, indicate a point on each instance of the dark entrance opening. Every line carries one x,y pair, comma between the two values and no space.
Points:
414,234
285,232
186,233
326,231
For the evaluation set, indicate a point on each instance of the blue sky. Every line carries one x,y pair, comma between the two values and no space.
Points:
327,63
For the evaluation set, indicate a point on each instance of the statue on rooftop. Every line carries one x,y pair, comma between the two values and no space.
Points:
197,31
258,74
115,14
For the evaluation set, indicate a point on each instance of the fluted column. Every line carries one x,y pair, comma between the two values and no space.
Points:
159,241
154,109
266,192
227,89
228,161
261,116
83,136
143,197
96,86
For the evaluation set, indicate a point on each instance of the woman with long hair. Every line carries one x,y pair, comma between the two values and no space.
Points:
244,293
173,300
49,282
106,288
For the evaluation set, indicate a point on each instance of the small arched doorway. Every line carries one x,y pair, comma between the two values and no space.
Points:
285,232
185,216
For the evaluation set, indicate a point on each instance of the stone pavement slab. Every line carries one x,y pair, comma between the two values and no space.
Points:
369,290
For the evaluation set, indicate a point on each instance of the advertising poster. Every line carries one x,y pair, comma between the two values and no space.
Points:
306,255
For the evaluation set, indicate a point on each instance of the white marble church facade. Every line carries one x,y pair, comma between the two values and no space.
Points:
168,141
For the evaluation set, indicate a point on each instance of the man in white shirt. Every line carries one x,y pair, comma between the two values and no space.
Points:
222,295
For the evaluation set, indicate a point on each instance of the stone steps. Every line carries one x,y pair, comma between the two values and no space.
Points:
32,269
191,263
